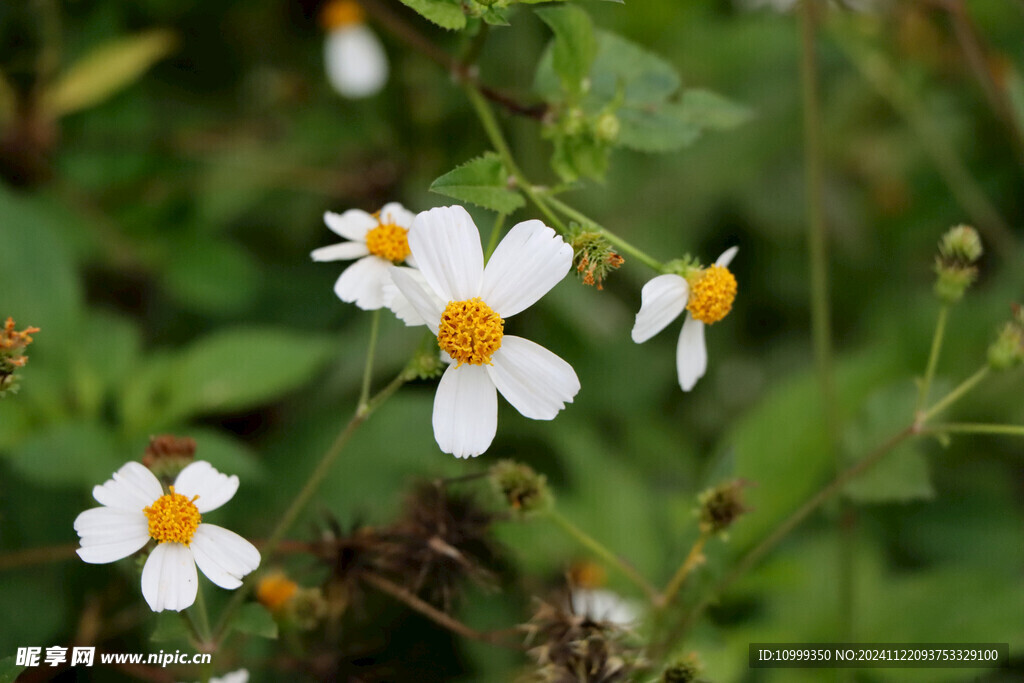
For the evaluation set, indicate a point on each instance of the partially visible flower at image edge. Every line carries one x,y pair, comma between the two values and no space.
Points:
378,241
465,304
354,58
601,604
706,293
136,509
237,676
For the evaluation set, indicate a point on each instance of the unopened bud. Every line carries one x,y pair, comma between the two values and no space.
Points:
1008,349
721,506
572,122
959,249
522,488
961,245
607,127
683,670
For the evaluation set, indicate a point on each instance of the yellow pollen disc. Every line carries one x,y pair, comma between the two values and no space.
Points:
338,13
712,292
173,517
275,590
470,331
388,242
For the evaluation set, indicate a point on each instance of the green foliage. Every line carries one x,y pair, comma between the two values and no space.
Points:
69,454
107,70
170,626
574,46
445,13
483,181
254,619
9,670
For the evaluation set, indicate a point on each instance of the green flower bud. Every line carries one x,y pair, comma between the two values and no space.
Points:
721,506
607,127
959,249
683,670
573,122
961,245
522,488
1008,349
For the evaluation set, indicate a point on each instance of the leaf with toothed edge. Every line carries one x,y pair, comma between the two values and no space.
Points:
482,181
445,14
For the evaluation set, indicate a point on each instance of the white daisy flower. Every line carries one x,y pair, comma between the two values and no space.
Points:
706,293
604,605
378,241
354,58
136,509
238,676
465,305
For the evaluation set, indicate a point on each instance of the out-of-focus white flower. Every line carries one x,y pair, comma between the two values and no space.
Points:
602,604
706,293
465,305
239,676
379,241
356,63
136,509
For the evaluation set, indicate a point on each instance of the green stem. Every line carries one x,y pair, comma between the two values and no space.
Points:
933,358
364,393
198,610
303,497
952,397
693,558
499,224
622,244
974,428
603,552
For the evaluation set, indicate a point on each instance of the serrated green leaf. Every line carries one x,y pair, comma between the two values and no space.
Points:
241,368
482,181
445,14
108,69
9,670
254,619
707,109
575,45
656,128
169,626
496,16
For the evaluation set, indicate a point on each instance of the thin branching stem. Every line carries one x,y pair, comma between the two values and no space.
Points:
974,428
693,559
364,393
952,397
933,358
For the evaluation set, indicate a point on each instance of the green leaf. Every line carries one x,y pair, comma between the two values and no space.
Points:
107,70
254,619
71,454
645,76
496,16
211,277
482,181
445,14
169,626
902,475
241,368
576,156
710,110
575,45
9,670
653,128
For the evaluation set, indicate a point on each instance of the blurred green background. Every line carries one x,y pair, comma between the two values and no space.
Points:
160,239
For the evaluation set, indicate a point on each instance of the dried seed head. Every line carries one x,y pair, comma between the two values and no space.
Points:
683,670
721,506
522,488
593,256
166,454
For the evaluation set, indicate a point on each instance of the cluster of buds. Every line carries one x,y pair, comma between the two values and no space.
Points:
166,454
719,507
592,255
683,670
522,488
573,647
1008,349
959,250
12,357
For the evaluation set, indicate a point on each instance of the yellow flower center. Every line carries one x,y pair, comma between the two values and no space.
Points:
339,13
173,517
388,242
712,292
470,331
275,590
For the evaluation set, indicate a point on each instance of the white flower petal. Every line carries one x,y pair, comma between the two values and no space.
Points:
345,251
529,261
132,487
169,579
224,556
363,282
406,310
534,380
661,301
108,534
352,225
425,307
604,605
691,354
446,245
239,676
356,63
465,411
394,213
727,256
201,479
